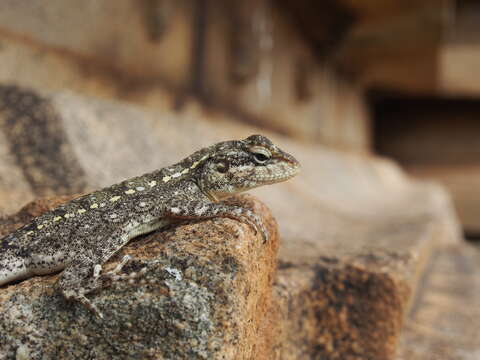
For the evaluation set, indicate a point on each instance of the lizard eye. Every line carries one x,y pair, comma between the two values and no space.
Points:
223,166
261,155
260,158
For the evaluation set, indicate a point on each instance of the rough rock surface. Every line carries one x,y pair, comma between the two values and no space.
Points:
347,300
356,232
443,323
97,31
205,296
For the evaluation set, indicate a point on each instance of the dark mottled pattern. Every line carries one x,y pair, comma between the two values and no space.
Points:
38,142
83,234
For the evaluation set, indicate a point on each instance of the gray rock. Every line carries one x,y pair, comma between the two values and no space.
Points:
204,296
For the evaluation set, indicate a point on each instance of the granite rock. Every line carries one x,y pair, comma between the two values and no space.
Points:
205,295
356,232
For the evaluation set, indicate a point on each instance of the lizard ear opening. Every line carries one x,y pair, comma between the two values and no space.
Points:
223,166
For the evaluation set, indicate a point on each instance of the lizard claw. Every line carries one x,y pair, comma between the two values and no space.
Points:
257,225
82,299
98,268
120,266
264,232
114,276
265,237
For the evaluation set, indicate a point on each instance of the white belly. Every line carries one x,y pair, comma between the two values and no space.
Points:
47,264
13,270
153,225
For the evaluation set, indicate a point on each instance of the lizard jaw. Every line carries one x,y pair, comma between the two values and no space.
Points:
277,173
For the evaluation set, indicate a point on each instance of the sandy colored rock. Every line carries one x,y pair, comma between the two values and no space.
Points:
94,48
356,232
98,31
34,65
348,301
204,296
443,323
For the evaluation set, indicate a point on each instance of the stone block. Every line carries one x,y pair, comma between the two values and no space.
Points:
355,231
112,34
205,295
443,323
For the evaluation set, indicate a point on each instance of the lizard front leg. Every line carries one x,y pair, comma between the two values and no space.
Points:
79,279
82,275
200,209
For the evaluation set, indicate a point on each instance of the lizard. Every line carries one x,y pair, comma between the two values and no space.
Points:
81,235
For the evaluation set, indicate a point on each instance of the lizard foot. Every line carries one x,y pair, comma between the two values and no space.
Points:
82,299
119,267
115,276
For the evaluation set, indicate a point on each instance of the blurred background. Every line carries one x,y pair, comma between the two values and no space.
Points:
394,78
334,80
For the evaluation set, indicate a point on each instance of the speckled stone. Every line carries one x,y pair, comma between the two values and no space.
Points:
356,231
444,320
204,295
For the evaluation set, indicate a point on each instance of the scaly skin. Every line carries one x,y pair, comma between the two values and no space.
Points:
81,235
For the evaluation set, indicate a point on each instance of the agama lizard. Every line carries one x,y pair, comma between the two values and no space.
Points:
79,236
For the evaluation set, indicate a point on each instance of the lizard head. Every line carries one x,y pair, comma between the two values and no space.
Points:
237,166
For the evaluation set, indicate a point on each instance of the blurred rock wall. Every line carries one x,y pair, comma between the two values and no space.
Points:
246,60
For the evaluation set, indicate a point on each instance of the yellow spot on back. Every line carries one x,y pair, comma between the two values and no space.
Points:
81,211
196,163
153,183
184,171
166,178
40,227
66,216
57,218
93,206
131,191
115,198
